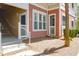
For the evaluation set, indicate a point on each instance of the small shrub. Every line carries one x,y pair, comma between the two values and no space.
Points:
72,33
53,36
77,31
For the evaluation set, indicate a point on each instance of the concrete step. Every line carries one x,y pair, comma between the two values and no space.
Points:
27,53
13,49
10,43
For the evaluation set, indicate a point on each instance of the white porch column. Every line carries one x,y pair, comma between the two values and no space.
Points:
0,41
60,20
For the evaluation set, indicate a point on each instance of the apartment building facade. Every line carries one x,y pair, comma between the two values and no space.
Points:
40,19
49,19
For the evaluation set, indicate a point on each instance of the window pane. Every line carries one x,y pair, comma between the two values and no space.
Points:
72,5
35,17
72,23
44,25
40,17
44,19
35,25
40,21
52,30
40,25
52,20
23,32
44,22
23,19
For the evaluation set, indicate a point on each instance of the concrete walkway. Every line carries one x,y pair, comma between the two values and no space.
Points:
50,47
54,47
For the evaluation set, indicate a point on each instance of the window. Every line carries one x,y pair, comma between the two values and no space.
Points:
35,21
44,22
52,20
39,21
72,5
63,20
23,22
72,23
52,30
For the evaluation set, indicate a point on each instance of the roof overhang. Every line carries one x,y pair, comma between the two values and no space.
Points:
48,6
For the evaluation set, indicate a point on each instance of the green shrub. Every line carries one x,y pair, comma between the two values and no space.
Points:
77,31
72,33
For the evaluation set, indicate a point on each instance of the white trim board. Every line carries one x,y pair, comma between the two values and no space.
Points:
39,6
45,8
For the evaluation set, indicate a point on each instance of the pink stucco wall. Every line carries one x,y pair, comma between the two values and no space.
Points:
35,34
56,11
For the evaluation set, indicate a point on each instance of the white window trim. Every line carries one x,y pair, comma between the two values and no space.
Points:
55,24
33,19
39,12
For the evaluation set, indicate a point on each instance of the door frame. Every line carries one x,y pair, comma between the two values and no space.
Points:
19,25
54,22
62,27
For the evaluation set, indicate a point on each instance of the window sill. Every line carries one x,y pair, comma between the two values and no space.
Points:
39,30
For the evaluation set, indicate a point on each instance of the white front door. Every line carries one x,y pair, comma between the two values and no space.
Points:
22,26
52,24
